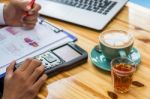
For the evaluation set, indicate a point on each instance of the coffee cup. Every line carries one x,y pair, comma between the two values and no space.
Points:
116,43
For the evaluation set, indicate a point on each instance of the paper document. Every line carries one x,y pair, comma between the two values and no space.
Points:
18,44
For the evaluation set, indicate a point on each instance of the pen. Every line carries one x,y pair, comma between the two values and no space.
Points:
31,5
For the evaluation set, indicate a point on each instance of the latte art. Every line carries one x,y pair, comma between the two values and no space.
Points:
116,39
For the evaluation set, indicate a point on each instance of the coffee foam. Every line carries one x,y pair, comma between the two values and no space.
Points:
116,39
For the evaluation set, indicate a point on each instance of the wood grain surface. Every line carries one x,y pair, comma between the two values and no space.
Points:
88,82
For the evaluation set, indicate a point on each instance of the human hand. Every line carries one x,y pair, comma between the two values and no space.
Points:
25,82
14,13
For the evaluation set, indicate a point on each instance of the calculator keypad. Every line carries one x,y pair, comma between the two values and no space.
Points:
49,60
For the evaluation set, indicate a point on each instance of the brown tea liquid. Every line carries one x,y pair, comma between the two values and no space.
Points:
122,77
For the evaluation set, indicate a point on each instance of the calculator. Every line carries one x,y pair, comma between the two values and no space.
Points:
62,58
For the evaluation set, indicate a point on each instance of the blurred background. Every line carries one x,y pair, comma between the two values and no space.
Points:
144,3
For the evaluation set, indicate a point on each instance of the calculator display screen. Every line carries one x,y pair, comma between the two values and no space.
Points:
66,53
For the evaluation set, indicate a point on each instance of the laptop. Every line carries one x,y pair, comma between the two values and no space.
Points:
93,14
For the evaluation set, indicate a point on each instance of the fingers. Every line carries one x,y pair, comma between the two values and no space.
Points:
36,74
32,66
29,24
25,64
40,82
23,4
35,9
32,12
28,27
29,21
29,16
10,69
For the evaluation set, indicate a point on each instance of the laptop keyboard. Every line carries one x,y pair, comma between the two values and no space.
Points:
98,6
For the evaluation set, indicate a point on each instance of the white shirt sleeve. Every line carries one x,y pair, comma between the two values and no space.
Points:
2,22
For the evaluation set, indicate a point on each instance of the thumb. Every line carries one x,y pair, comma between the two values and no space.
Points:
10,68
21,4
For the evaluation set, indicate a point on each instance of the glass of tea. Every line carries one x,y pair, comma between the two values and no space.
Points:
122,74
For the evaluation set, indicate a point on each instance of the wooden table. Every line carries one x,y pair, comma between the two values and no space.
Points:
88,82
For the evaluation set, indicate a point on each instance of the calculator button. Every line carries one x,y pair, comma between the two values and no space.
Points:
56,63
46,63
49,57
41,59
49,67
52,65
59,62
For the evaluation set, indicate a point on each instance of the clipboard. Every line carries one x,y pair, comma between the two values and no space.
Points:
17,43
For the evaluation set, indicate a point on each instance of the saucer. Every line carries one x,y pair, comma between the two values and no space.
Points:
99,60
